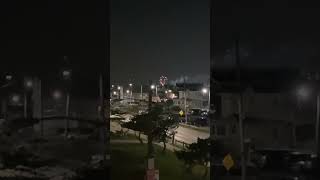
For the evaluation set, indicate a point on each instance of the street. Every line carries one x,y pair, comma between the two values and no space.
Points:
184,134
189,135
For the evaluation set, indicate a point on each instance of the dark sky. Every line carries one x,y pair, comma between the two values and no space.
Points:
150,38
35,36
271,34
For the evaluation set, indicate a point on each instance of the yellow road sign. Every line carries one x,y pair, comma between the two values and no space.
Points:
228,162
181,113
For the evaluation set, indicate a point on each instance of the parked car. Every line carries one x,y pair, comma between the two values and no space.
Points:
271,159
301,162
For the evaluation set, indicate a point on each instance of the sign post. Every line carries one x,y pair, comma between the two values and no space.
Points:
228,162
181,113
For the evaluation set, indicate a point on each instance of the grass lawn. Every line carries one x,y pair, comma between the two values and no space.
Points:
128,162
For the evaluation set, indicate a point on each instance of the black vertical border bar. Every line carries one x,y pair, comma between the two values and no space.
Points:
106,75
211,108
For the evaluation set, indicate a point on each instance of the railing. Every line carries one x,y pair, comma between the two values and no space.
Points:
177,143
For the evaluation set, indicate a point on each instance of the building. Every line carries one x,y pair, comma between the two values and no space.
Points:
273,115
194,99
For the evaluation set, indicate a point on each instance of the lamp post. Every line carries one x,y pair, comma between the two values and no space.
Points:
119,88
304,92
8,81
130,92
128,95
28,86
66,74
207,91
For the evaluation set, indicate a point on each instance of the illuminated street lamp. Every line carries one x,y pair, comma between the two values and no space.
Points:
28,86
8,77
114,92
66,73
128,91
207,91
119,92
153,86
112,86
303,92
15,98
204,90
57,95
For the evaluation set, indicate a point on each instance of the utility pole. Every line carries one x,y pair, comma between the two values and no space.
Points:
185,101
131,94
41,108
67,114
150,146
240,104
156,90
25,105
141,93
317,125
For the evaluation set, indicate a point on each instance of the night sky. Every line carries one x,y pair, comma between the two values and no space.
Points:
271,34
150,38
35,36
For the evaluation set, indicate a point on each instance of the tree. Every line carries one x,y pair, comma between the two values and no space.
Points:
165,125
156,124
196,153
137,124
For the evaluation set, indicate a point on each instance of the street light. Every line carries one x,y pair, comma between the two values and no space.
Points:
8,77
153,86
207,91
66,74
204,90
15,98
28,86
128,91
57,95
303,92
112,86
114,92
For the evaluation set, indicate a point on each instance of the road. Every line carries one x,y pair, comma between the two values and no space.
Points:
189,135
185,134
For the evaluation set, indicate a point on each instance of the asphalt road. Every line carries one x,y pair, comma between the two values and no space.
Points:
184,134
189,135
